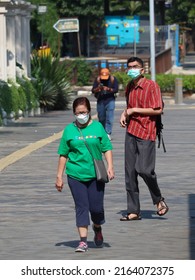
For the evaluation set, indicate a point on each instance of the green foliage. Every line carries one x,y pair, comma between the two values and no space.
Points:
191,14
50,81
22,99
43,24
79,8
12,98
128,7
91,17
15,99
189,83
83,69
165,81
6,101
29,94
23,95
122,78
78,71
179,12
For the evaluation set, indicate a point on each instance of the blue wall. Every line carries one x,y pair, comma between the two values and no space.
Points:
122,30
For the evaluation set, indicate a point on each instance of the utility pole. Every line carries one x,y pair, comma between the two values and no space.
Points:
152,41
42,9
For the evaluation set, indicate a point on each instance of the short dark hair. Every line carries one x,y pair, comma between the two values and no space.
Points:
135,58
81,101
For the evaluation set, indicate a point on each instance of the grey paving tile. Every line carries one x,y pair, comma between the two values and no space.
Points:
37,222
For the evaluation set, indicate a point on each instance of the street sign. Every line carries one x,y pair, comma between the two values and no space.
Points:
42,9
67,25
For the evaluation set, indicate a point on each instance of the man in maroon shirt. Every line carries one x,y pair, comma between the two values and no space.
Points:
144,103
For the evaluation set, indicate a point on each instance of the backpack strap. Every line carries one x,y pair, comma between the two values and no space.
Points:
112,79
159,133
98,79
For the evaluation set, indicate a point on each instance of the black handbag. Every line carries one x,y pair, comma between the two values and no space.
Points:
100,169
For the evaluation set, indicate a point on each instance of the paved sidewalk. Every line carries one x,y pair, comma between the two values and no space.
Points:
37,222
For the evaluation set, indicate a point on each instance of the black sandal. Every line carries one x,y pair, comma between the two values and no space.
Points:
163,207
127,219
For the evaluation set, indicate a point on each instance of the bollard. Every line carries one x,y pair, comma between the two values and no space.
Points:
178,91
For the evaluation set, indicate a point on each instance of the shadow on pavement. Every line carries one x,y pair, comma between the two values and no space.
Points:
192,226
145,214
74,244
18,124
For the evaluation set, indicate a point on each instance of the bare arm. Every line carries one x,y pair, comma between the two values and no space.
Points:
110,168
60,171
141,111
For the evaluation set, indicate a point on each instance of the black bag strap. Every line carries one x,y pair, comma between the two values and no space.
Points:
160,139
159,128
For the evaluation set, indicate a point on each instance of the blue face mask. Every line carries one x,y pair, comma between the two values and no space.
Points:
133,73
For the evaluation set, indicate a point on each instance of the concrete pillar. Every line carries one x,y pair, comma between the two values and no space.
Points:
24,41
18,36
3,52
11,50
15,43
28,47
26,38
178,91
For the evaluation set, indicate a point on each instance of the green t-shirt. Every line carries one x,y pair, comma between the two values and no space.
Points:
80,163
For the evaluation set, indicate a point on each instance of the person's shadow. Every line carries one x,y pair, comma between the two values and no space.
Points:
145,214
74,244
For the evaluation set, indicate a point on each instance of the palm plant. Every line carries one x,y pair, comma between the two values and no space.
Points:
132,7
50,81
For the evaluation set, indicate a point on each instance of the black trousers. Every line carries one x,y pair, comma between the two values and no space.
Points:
89,200
140,156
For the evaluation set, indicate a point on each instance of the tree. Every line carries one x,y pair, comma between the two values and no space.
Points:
80,8
126,7
91,14
179,11
183,13
42,25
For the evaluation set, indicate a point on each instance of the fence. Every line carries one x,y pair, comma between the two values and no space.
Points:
162,61
165,37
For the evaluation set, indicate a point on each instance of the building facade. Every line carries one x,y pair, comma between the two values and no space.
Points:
15,46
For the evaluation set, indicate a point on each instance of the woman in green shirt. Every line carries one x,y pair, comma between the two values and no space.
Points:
77,162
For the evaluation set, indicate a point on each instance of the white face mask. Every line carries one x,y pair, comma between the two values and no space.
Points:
82,118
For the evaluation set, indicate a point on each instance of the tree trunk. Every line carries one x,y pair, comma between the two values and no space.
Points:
106,7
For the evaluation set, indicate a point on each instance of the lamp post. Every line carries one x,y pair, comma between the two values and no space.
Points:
152,41
42,9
